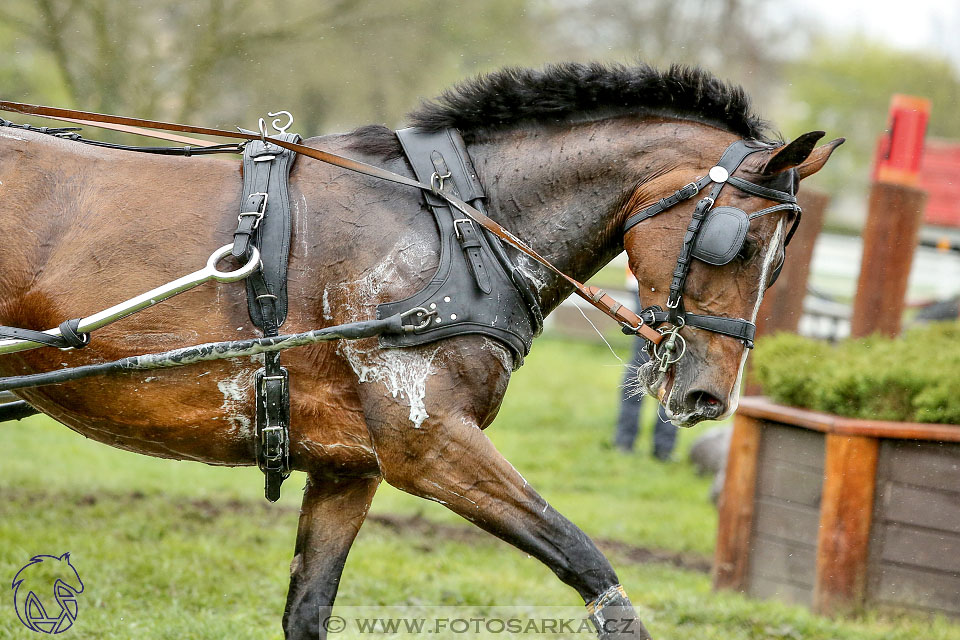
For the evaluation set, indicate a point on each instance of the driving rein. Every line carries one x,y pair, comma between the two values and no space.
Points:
445,175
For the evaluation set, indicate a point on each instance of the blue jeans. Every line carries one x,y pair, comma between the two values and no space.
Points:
628,421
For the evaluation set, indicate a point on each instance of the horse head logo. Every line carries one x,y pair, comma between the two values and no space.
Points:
32,587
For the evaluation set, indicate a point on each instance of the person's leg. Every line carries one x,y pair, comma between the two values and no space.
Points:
664,438
628,419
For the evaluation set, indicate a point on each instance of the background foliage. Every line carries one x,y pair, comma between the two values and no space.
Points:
913,378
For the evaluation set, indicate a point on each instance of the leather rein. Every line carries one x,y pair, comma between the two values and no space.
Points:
631,323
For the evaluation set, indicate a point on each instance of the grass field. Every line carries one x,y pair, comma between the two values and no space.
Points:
180,550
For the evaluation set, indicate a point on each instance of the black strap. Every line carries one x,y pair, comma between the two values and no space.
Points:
68,338
266,169
682,267
264,222
759,190
733,327
685,193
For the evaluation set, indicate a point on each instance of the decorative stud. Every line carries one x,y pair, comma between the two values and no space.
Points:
719,174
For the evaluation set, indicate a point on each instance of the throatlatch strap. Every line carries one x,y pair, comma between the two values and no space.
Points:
264,222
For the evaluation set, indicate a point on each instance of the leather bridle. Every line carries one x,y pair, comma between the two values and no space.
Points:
715,235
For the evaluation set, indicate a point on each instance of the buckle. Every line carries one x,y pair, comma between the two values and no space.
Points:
264,379
272,440
258,213
456,229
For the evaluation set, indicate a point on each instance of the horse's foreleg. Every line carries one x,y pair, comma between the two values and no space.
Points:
333,510
453,462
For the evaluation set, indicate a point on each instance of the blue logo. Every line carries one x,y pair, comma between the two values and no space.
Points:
45,593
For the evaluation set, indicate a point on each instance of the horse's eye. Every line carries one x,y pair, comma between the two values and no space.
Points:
749,250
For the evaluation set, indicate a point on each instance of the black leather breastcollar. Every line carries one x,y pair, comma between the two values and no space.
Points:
476,289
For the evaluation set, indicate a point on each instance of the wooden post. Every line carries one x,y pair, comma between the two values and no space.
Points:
893,220
736,506
846,512
889,242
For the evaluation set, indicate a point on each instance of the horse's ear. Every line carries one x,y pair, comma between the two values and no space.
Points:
792,154
818,158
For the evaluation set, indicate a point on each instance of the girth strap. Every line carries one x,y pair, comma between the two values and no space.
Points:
264,222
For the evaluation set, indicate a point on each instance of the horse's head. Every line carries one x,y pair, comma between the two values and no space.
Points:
708,255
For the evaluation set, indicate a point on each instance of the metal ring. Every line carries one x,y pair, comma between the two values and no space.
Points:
683,350
232,276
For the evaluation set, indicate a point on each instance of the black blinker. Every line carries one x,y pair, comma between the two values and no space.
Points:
721,236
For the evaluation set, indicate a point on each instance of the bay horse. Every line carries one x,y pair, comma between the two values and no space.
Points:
566,154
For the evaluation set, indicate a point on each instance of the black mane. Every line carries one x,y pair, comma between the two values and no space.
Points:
560,93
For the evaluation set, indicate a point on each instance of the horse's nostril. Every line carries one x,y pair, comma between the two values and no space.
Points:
705,403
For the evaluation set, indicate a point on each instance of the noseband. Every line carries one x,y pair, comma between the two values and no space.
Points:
715,235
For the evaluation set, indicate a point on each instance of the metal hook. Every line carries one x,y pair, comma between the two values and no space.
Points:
436,181
262,125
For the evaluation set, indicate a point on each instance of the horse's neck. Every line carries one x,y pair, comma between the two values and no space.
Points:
563,191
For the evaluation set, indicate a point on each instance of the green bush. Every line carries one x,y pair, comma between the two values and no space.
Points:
914,378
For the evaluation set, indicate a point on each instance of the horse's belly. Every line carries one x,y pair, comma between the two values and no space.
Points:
208,416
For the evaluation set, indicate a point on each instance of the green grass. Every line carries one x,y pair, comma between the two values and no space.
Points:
181,550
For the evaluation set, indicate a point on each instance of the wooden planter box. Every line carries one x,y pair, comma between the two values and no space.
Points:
838,513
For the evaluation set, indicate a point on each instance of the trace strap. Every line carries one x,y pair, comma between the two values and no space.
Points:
629,321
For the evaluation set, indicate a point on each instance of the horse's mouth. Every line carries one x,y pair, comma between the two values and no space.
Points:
671,396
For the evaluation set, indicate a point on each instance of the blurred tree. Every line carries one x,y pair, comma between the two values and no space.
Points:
343,62
340,63
845,87
739,40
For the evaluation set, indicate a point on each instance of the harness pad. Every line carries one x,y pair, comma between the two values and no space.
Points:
476,289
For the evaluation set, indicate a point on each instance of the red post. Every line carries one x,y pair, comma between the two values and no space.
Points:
900,150
893,220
